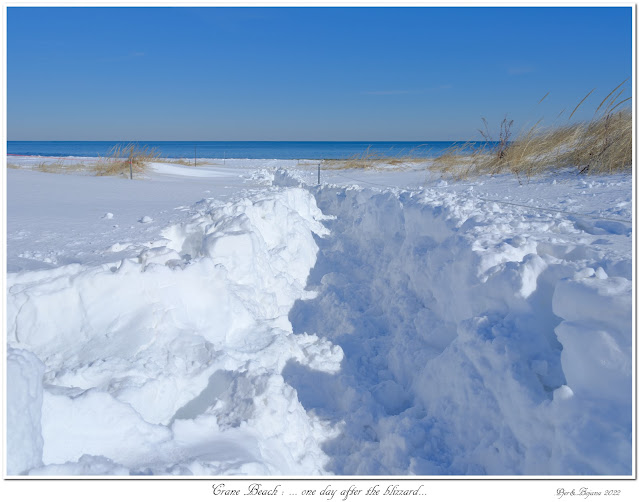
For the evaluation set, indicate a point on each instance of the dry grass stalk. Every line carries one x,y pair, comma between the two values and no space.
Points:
577,107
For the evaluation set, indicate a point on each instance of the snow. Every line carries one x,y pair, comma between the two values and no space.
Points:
24,410
241,319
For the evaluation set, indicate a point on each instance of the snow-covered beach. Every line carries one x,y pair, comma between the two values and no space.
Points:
238,318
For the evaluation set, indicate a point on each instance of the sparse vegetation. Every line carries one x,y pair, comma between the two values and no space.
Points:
186,162
602,145
121,159
117,162
59,166
182,162
505,132
371,159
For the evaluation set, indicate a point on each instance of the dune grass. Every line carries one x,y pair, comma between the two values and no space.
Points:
371,159
601,145
59,166
462,160
124,159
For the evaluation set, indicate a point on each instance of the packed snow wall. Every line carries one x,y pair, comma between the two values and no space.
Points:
311,331
171,363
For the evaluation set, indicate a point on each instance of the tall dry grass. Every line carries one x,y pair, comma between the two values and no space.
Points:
600,145
122,159
462,160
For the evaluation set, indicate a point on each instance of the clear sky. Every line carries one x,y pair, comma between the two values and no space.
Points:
275,73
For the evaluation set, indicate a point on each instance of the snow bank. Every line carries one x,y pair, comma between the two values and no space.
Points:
171,363
303,330
474,343
597,355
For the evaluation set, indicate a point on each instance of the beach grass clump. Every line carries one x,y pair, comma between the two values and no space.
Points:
122,160
601,145
50,167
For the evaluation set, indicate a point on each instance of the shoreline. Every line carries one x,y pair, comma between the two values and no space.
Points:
188,161
169,159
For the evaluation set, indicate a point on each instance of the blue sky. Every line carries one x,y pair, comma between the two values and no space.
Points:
369,74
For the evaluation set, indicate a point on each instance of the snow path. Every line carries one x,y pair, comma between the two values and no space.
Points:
302,330
446,310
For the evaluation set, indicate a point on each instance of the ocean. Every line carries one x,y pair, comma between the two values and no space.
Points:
238,149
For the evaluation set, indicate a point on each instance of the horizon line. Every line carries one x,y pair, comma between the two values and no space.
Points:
240,140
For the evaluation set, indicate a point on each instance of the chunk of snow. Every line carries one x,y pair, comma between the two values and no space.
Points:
24,410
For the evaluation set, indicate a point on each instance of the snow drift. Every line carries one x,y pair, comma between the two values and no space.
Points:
299,330
135,354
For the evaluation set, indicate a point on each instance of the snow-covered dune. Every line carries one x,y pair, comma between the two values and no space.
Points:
283,328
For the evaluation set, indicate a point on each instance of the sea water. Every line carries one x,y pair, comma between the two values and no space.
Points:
238,149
